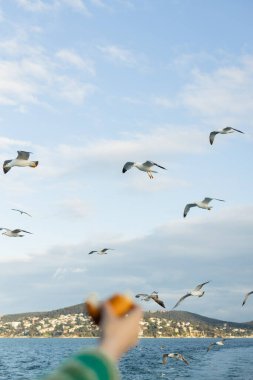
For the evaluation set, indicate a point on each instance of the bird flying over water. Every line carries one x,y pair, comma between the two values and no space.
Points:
21,160
219,343
195,292
145,167
246,296
153,296
174,355
101,251
21,211
14,233
223,131
202,204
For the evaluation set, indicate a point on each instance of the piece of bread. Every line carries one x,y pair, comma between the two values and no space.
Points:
121,304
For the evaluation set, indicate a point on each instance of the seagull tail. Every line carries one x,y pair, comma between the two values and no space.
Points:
33,164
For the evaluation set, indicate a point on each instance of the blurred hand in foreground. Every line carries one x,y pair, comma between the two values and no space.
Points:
119,333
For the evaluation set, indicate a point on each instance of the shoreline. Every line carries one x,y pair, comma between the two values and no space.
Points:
142,337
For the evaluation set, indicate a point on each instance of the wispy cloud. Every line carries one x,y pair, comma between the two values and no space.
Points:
44,6
76,60
119,54
29,73
223,91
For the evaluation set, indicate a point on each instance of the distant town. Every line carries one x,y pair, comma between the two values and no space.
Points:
73,322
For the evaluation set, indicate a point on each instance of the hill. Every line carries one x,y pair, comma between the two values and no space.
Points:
177,316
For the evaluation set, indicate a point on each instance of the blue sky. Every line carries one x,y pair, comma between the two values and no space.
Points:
89,85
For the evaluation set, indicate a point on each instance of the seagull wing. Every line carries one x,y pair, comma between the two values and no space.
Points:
210,346
207,200
148,164
198,287
212,136
22,155
141,295
181,357
159,166
151,163
246,296
4,168
187,208
181,299
24,231
90,253
106,249
165,358
237,130
127,166
15,209
157,300
24,212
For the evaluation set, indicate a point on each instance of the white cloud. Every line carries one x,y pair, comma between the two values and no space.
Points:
74,59
224,91
28,74
73,91
6,143
44,6
37,5
119,54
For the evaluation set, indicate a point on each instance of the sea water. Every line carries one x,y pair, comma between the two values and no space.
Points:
26,359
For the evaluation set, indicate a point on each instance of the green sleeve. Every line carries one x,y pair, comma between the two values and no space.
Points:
87,365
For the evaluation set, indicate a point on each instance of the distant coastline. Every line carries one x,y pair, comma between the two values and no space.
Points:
73,322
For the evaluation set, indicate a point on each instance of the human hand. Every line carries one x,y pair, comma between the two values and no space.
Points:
119,333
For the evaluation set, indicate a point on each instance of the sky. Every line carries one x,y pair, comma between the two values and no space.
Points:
87,85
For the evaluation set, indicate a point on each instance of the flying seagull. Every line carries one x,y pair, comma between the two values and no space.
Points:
145,167
246,296
223,131
203,204
219,343
14,233
195,292
101,251
21,160
174,355
21,211
153,296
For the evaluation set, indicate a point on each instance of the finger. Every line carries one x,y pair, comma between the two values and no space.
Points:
136,313
107,310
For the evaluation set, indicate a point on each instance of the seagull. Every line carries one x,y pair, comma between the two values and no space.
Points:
21,160
13,233
21,211
101,251
223,131
246,296
174,356
195,292
219,343
203,204
153,296
145,167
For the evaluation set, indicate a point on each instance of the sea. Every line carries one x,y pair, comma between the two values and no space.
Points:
26,359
